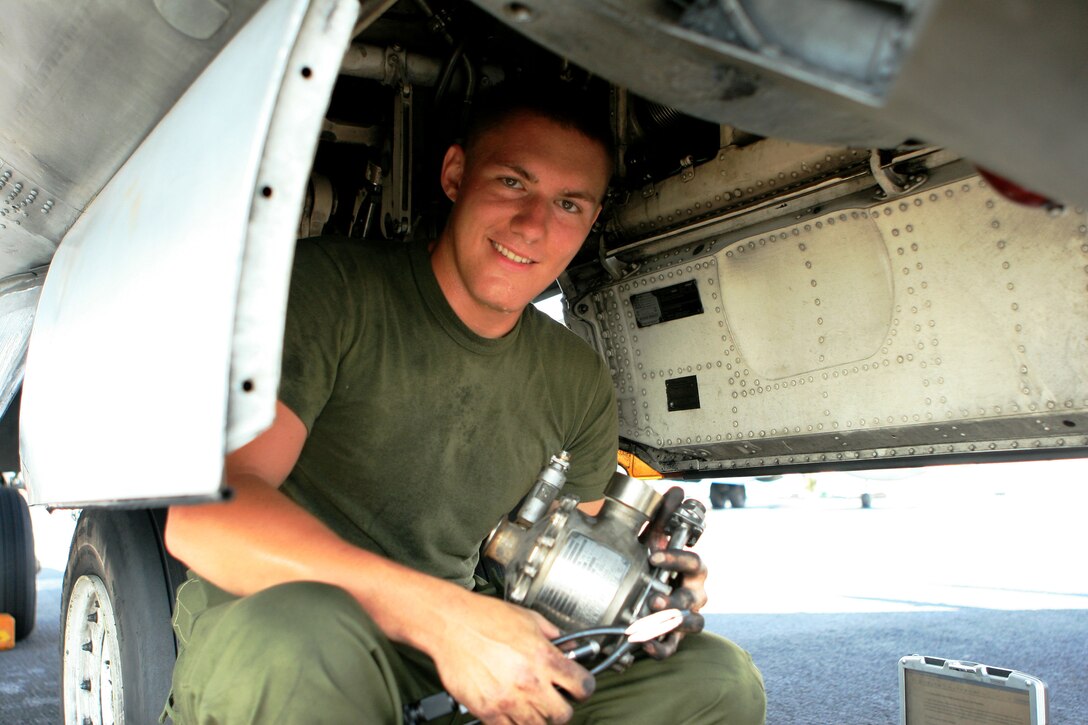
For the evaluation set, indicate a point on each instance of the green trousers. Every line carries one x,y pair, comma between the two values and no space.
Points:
307,653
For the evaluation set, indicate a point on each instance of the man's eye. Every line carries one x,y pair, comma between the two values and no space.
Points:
568,205
510,182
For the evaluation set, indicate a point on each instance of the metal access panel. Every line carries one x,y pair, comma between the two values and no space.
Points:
944,323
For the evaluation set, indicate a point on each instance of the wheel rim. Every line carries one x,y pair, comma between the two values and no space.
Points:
93,689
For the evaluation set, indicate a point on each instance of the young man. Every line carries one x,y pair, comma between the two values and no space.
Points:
421,393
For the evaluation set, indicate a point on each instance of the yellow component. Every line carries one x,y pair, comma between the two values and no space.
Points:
7,631
636,467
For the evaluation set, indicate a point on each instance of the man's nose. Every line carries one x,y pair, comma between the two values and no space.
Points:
531,219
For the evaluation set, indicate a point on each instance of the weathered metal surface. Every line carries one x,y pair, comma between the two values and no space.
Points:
734,178
944,321
81,85
156,345
1003,83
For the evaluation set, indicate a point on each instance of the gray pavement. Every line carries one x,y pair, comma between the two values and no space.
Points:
29,673
975,563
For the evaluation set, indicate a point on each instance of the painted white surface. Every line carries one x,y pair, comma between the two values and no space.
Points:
127,374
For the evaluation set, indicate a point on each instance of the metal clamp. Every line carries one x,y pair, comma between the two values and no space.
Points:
892,184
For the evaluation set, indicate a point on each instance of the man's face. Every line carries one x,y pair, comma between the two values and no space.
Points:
525,196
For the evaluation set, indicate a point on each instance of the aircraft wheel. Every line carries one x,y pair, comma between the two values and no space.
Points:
719,495
733,494
117,646
18,567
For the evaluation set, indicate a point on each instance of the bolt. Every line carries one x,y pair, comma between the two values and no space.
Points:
518,12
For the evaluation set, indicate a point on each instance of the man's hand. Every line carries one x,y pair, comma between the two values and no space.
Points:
689,591
496,659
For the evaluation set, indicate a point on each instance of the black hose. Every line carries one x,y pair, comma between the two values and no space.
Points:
447,73
612,658
585,633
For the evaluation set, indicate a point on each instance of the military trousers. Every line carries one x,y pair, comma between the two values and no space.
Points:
307,653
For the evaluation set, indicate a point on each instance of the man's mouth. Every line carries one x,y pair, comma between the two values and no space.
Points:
509,254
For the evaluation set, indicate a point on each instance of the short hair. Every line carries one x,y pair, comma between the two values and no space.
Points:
567,106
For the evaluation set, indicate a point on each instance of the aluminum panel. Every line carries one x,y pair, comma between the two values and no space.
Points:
946,321
125,390
786,302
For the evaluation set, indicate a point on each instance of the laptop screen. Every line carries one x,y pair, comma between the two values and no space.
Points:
938,700
936,691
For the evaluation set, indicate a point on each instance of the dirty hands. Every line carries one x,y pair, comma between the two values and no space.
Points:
689,590
496,660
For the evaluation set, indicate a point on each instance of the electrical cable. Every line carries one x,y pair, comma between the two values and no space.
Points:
593,632
612,658
447,73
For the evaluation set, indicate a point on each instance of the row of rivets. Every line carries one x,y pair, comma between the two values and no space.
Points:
941,449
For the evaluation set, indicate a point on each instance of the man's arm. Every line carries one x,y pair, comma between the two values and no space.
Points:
493,657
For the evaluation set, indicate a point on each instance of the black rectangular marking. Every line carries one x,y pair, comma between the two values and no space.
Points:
682,393
668,303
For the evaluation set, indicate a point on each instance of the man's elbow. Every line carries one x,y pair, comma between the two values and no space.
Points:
177,534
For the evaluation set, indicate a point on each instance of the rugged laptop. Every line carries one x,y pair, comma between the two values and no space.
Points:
936,691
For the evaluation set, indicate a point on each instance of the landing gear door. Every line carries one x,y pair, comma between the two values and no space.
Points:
156,346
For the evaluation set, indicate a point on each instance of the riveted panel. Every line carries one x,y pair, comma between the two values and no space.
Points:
810,297
944,322
32,218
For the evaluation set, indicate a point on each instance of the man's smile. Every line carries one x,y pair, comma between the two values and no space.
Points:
509,254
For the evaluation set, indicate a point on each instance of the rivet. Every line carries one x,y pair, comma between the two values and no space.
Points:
518,12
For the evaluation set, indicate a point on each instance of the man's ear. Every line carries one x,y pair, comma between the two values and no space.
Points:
453,170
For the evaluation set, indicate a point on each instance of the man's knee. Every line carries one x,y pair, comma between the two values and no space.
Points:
729,683
300,616
709,681
303,628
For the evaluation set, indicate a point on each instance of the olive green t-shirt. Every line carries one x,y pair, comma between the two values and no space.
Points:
422,434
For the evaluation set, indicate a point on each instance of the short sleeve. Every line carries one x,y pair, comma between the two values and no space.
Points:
321,314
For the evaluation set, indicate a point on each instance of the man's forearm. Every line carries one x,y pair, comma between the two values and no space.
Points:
260,538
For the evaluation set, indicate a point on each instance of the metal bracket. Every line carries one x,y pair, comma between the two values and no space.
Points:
892,184
367,201
321,206
617,268
397,196
687,166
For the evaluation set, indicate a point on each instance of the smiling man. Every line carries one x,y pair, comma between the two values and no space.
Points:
421,393
525,196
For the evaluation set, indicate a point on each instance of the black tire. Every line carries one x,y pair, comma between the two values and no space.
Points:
18,567
120,572
733,494
866,501
719,495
